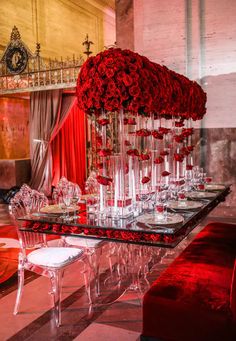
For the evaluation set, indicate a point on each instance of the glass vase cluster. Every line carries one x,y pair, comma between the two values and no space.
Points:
133,157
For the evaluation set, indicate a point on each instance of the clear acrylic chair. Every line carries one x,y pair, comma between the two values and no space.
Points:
92,247
43,260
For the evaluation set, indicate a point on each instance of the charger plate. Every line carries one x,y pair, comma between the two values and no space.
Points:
214,187
56,209
184,205
200,195
151,219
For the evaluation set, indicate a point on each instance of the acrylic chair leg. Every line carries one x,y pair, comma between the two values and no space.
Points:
97,256
21,276
56,290
87,278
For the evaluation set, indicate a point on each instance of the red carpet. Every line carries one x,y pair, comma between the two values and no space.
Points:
8,256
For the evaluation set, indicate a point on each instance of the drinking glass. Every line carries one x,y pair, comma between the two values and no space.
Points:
181,195
66,198
74,201
161,205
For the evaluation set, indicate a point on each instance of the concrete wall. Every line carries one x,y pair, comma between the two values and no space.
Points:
198,39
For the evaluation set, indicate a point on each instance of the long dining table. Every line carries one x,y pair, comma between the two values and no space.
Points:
131,230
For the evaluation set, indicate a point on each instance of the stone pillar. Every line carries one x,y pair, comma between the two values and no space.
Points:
125,24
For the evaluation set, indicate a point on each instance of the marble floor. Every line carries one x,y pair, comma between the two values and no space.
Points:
119,321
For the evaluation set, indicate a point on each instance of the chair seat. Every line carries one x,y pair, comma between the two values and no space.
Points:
84,242
55,257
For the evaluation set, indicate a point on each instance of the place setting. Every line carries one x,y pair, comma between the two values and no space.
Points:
65,197
161,217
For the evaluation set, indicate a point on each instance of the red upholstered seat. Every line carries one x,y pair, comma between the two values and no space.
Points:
192,299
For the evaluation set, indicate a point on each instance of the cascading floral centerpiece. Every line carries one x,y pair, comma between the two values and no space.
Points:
127,98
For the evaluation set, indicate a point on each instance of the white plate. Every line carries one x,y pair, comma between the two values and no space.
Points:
214,187
153,220
56,209
201,195
184,205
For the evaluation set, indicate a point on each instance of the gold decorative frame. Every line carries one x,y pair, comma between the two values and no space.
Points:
37,73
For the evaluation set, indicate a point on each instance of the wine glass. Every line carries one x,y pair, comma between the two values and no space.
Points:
66,198
75,198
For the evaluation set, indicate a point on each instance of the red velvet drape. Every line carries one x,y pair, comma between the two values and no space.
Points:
69,149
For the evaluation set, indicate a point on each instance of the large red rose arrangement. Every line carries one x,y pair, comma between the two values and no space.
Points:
121,79
123,92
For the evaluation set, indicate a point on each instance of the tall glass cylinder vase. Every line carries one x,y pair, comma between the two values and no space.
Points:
113,166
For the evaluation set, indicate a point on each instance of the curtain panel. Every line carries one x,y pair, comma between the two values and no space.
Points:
69,149
48,111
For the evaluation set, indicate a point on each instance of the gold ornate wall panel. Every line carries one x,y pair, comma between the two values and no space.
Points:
62,25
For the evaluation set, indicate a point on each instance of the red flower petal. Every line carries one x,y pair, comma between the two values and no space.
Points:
103,121
165,173
132,152
103,180
159,160
190,148
132,121
145,179
164,153
104,152
144,156
143,132
157,135
189,167
127,143
179,124
179,157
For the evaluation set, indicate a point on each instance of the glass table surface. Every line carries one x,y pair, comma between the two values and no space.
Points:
130,230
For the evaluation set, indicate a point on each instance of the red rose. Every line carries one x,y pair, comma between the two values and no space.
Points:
110,72
163,131
187,132
103,121
189,167
165,173
132,152
157,135
190,148
184,151
132,121
125,121
144,156
145,179
164,153
127,143
127,80
159,160
103,180
134,91
178,138
100,165
179,157
143,132
104,152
